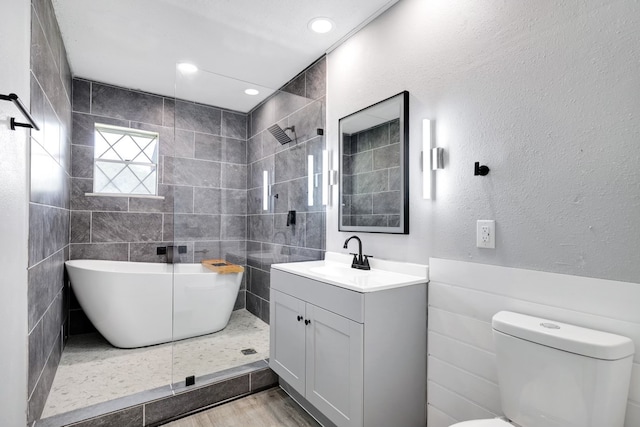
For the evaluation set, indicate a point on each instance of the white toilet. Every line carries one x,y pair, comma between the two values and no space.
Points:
553,374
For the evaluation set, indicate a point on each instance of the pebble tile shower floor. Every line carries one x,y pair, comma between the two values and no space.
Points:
92,371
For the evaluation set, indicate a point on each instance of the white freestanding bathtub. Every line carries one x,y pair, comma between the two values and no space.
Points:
135,304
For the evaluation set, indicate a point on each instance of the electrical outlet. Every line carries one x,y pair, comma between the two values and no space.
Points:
486,234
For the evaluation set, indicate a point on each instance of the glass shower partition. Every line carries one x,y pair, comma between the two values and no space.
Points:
246,175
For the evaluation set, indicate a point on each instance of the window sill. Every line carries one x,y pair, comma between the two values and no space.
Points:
133,196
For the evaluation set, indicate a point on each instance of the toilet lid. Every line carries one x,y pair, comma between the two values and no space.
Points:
494,422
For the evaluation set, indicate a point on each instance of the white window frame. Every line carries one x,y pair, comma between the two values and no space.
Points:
153,162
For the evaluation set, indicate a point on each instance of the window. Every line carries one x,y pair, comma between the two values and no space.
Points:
125,161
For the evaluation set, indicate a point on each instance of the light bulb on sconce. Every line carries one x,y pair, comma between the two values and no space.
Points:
432,158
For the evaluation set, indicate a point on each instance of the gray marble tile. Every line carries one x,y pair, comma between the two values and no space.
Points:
234,125
307,120
362,162
388,203
394,132
164,409
207,200
259,283
208,147
107,251
393,220
254,201
172,142
260,227
254,304
296,86
197,117
279,204
196,227
233,227
126,104
289,235
370,220
233,201
47,19
201,173
48,178
291,163
41,390
129,417
48,231
261,117
315,230
395,179
254,148
81,98
233,176
257,168
37,109
81,186
241,302
83,127
298,196
183,199
45,280
111,227
80,227
386,157
372,182
234,150
51,128
82,161
207,250
316,79
287,103
264,378
362,204
140,204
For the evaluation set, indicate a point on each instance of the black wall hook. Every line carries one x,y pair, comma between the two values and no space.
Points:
481,170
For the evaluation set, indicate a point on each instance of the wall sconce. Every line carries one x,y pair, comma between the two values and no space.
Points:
437,158
265,190
310,180
329,177
427,128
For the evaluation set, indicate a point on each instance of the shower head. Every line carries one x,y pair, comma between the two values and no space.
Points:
279,133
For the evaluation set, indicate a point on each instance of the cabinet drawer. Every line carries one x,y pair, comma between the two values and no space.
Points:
344,302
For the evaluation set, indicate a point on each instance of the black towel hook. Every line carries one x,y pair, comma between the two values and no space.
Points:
481,170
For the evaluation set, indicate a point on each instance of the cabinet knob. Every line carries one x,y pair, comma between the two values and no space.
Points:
306,322
299,318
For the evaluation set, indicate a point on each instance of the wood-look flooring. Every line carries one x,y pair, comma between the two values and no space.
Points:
269,408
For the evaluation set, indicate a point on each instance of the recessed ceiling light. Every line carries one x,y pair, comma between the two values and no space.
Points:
187,68
251,91
321,25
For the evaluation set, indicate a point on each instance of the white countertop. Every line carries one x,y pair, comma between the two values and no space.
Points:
336,270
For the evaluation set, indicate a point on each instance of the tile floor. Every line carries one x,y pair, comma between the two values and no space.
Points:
92,371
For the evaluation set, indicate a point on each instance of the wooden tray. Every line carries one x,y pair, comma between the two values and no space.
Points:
221,266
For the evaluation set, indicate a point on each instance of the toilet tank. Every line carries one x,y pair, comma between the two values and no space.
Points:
553,374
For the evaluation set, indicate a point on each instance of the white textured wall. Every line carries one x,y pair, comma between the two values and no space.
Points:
546,93
15,42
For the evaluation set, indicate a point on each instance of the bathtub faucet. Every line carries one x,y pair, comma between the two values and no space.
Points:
172,252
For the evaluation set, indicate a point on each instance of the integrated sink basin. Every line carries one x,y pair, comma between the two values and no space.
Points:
336,270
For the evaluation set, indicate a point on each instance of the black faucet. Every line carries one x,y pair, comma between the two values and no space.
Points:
358,261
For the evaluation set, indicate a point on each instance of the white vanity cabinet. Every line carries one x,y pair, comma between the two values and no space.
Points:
358,358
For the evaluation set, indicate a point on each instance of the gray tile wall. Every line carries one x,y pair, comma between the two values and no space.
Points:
371,166
300,103
50,165
202,177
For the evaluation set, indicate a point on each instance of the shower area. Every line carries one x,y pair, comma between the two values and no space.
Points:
181,186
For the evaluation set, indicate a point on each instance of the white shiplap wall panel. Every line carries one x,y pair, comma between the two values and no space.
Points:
467,357
437,418
454,405
482,305
462,328
464,296
478,390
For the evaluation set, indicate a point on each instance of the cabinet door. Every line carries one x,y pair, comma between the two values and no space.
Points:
287,330
335,366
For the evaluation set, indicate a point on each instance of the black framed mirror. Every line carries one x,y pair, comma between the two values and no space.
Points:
374,168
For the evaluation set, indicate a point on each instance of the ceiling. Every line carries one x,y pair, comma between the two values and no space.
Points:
137,43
